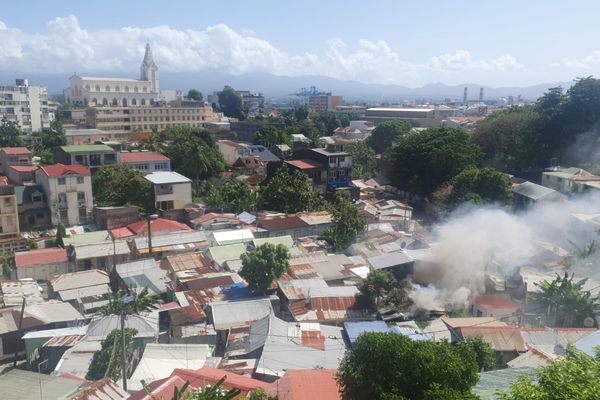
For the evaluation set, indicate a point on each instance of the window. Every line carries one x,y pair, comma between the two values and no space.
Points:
80,195
79,179
82,213
62,181
107,88
36,198
64,216
7,202
165,205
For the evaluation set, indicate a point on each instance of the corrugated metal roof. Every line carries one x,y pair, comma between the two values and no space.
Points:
100,327
227,252
144,273
172,241
233,236
165,177
18,384
104,389
390,260
78,280
501,338
490,382
231,314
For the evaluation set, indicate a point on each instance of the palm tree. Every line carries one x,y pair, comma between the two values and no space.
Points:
142,301
566,301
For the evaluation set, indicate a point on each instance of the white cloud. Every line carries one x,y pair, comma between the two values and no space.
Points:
590,61
65,47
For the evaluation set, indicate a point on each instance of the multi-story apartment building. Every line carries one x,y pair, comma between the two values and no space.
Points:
25,105
78,137
68,189
17,156
92,156
122,122
324,103
254,103
171,190
9,214
145,161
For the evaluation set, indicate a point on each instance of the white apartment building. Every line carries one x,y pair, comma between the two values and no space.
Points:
25,105
69,192
171,190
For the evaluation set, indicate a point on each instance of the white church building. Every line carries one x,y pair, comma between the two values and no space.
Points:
95,91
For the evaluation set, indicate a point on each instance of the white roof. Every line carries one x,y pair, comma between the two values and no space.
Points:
53,311
162,177
159,361
77,359
100,327
231,314
104,249
81,132
400,109
49,333
237,235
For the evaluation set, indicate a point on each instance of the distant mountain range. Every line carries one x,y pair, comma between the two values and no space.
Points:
277,87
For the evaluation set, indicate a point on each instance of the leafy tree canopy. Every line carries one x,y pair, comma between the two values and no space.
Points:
119,184
373,289
348,223
269,135
232,194
485,185
266,263
231,103
423,161
385,133
392,366
484,354
108,360
10,133
364,164
195,94
289,191
576,376
141,301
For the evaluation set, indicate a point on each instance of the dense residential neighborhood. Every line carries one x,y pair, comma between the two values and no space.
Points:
180,245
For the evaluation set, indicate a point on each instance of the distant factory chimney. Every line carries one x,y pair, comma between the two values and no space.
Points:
480,94
465,96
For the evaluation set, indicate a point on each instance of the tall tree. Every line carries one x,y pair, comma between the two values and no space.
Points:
231,103
422,161
375,288
576,376
261,266
119,184
567,303
393,366
348,223
484,354
364,164
108,360
269,135
289,191
481,186
141,301
233,194
54,136
10,133
385,133
195,94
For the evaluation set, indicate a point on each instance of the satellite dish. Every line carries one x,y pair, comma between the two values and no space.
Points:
588,322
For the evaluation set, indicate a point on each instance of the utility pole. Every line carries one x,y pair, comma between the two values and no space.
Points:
19,331
150,218
123,348
40,377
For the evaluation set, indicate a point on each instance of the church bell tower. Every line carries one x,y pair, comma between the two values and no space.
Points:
149,70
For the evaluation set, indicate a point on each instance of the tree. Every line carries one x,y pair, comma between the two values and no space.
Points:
195,94
364,164
301,113
119,184
193,152
234,194
261,266
61,232
8,264
511,140
289,191
385,133
393,366
269,135
10,133
348,223
484,354
329,120
422,161
54,136
576,376
481,186
108,360
375,288
45,155
231,103
141,301
567,303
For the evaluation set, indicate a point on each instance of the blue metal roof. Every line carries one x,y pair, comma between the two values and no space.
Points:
354,329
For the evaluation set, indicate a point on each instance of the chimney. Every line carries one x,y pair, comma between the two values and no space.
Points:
480,94
465,96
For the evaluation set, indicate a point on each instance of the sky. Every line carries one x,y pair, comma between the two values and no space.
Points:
508,43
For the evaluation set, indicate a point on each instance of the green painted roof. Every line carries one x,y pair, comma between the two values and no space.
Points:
19,384
287,241
87,238
227,252
492,381
88,148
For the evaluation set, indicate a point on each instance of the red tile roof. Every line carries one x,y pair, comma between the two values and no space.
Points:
157,225
60,170
490,301
40,257
120,233
305,164
207,217
209,376
13,151
307,384
24,168
141,156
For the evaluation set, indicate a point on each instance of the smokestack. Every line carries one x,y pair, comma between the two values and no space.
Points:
465,96
480,94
